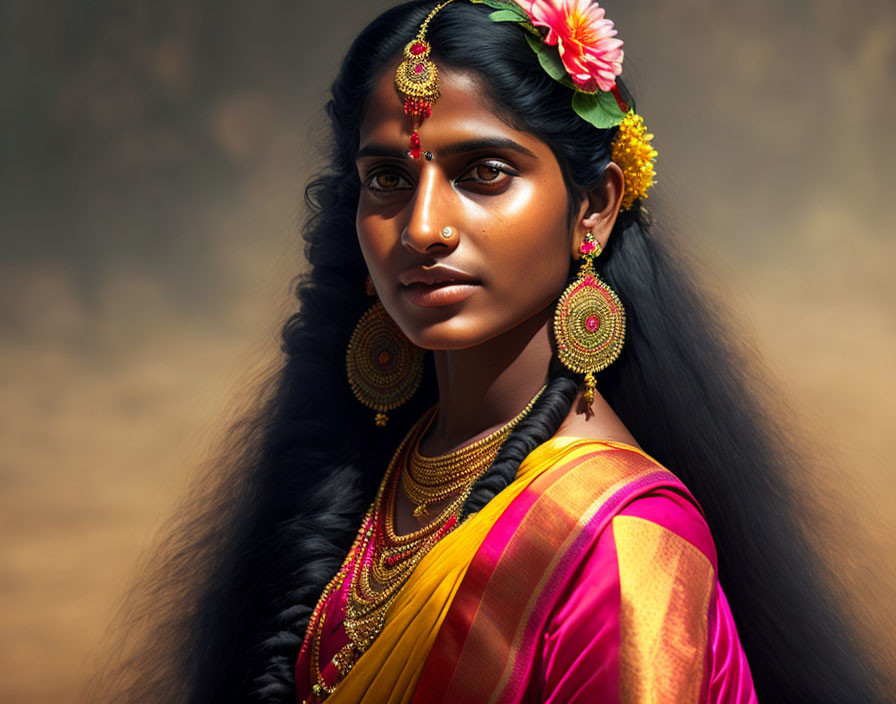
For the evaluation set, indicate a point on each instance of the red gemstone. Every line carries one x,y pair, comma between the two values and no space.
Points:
587,247
427,111
415,140
415,152
592,323
418,49
418,68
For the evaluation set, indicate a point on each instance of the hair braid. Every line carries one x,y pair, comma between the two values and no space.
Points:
538,426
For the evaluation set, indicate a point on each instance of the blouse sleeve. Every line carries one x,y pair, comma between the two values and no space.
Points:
644,619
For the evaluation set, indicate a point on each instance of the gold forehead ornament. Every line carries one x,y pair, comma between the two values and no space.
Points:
417,81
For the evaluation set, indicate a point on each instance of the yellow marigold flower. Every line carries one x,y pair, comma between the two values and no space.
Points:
634,155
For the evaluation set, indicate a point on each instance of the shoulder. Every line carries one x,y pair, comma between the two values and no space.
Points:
611,492
637,602
620,473
625,502
669,515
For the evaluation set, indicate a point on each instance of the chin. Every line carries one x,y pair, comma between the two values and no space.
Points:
442,329
442,340
455,333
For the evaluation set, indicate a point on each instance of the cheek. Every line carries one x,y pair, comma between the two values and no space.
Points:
537,274
532,254
374,239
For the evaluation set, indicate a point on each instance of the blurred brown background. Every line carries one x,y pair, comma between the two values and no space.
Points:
153,155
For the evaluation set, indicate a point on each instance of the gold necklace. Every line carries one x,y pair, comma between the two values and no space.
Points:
388,559
431,480
380,561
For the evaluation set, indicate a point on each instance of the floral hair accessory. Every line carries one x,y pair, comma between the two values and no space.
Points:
580,50
585,39
636,158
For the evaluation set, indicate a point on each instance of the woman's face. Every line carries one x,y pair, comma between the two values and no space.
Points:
499,190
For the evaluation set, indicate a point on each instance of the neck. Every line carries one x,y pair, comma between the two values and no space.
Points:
484,387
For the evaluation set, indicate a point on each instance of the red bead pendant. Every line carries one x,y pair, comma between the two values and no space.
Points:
415,151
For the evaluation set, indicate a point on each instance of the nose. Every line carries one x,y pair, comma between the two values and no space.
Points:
429,214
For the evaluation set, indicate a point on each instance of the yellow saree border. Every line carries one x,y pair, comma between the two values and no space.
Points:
665,586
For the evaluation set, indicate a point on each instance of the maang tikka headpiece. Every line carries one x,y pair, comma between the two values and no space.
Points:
417,81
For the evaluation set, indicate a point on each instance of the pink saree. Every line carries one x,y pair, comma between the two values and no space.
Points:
591,578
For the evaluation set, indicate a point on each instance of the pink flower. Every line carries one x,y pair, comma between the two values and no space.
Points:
590,54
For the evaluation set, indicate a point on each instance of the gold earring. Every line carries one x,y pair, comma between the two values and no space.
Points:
383,366
589,322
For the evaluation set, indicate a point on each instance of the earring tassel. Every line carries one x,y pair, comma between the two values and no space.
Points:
588,396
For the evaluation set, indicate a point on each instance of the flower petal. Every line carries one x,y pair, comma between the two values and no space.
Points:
585,39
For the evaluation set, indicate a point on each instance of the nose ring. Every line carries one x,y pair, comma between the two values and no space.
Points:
446,232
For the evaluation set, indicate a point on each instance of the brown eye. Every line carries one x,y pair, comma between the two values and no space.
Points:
492,175
386,181
484,172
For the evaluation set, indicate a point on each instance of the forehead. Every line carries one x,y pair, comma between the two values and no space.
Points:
462,111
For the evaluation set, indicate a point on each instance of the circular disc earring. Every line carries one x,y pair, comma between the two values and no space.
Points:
383,366
589,322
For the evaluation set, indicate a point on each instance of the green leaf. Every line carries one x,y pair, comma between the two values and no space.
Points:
549,58
500,4
600,109
507,11
611,106
504,16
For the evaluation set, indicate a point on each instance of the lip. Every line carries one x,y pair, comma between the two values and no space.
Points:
437,275
437,285
444,294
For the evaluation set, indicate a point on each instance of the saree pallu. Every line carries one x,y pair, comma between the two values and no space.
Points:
590,578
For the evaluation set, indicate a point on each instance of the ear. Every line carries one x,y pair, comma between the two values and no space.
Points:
599,209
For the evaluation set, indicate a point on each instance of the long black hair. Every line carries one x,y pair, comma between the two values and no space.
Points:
232,588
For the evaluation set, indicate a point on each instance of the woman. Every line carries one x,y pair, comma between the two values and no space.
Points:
554,554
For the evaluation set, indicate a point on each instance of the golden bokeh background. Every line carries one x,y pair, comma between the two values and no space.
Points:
153,156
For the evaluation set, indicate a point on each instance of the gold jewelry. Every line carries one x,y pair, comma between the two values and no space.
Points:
446,232
320,688
432,480
385,559
383,366
589,322
380,561
417,81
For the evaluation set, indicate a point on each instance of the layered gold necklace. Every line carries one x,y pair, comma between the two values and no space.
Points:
380,561
388,560
432,480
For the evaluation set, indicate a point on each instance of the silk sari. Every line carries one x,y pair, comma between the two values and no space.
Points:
591,577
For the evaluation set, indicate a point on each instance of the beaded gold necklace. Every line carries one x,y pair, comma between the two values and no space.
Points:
431,480
380,561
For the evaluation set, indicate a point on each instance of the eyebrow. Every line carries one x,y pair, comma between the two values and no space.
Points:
471,145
